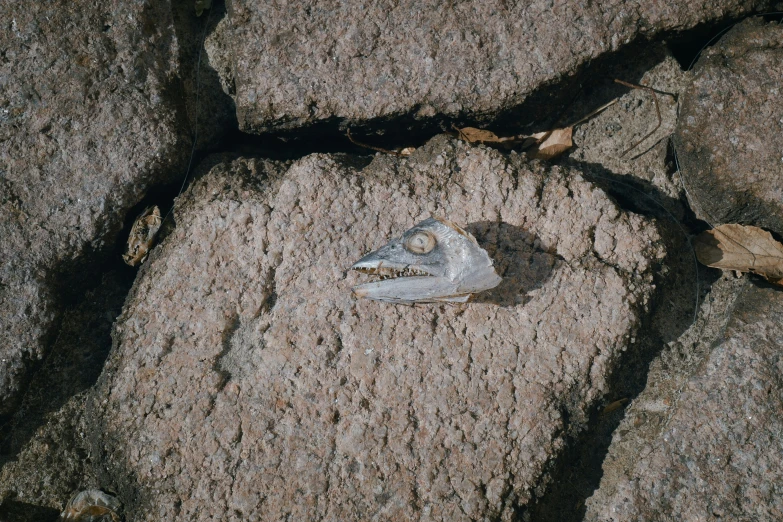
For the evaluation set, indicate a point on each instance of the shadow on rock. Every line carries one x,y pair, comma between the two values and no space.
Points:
14,511
75,358
516,259
211,112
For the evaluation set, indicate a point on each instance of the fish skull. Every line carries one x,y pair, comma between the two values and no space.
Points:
435,261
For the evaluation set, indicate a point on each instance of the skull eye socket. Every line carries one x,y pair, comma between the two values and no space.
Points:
421,242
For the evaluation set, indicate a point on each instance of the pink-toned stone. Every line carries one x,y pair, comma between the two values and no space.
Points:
248,383
705,440
298,63
86,127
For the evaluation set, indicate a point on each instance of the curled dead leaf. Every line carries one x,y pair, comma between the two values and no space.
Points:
202,5
542,145
550,144
474,135
92,505
616,405
741,248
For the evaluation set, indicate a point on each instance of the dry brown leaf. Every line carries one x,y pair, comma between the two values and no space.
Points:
474,135
555,142
407,151
616,405
202,5
742,248
543,145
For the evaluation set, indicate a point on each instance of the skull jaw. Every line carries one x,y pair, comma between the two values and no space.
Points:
409,290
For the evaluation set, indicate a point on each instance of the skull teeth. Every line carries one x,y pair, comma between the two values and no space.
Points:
385,273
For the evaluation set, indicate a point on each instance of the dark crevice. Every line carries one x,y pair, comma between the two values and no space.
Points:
686,47
550,105
577,471
210,115
90,289
89,292
16,511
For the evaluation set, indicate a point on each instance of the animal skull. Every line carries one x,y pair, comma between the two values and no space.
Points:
435,261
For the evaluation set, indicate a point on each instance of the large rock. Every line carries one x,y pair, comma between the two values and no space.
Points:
248,383
705,440
298,63
730,131
87,126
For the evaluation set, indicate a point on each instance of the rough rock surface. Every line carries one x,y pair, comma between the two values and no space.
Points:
730,132
44,457
706,443
617,139
297,63
49,469
86,126
247,382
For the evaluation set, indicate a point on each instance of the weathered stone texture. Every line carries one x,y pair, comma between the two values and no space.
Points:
301,62
85,127
730,131
715,452
619,139
44,457
248,383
